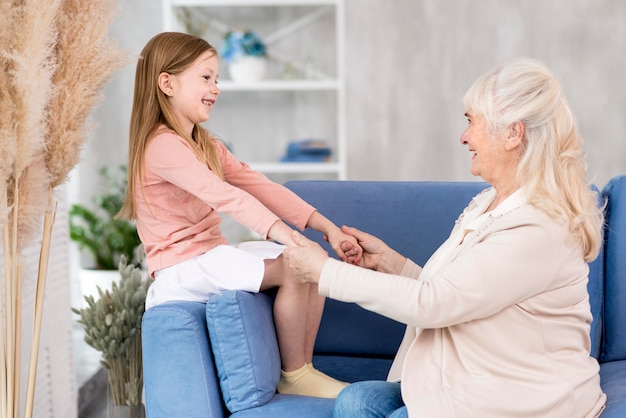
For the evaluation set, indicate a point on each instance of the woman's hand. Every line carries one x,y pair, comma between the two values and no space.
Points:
344,245
376,254
306,259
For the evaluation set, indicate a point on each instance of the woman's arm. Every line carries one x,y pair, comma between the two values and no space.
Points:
376,254
307,258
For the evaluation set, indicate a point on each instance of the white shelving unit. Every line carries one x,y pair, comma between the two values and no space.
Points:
303,94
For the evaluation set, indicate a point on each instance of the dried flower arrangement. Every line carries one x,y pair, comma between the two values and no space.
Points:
113,327
55,60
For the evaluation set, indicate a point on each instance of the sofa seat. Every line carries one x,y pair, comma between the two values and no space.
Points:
613,382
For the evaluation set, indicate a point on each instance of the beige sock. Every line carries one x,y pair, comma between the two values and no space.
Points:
307,381
314,370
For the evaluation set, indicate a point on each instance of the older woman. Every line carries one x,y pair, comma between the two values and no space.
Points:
498,318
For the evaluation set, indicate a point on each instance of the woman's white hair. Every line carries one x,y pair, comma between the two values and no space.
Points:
552,167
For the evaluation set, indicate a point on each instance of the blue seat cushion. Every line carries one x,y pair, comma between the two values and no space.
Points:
291,406
613,381
243,339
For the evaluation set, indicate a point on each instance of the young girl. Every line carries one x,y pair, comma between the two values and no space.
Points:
180,177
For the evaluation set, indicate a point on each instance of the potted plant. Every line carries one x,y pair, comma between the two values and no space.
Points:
97,230
105,238
245,53
112,326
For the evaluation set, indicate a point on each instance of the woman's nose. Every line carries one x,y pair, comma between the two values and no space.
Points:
463,138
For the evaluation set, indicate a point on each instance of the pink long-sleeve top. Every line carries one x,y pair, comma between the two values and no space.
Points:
177,207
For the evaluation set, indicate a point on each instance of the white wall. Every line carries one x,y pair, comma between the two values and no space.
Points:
409,63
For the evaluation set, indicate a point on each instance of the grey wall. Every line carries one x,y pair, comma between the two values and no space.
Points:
409,63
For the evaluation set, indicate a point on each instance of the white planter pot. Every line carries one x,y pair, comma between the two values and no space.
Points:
247,69
91,279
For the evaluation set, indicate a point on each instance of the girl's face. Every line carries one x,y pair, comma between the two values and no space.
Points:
194,91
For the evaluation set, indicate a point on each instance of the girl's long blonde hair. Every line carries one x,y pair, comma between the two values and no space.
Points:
552,169
172,53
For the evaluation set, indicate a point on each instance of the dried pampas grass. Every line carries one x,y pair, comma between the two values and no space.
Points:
88,60
32,65
54,61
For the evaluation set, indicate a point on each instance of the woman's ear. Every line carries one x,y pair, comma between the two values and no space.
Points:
515,137
165,83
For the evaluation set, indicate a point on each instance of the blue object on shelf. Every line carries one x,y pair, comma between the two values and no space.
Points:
307,150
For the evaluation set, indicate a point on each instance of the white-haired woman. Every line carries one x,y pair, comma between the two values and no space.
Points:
498,319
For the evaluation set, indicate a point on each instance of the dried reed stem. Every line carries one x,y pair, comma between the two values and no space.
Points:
54,61
39,298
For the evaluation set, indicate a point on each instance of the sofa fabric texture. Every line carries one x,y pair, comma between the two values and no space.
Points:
183,355
245,349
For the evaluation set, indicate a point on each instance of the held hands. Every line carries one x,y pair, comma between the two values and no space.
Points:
376,254
345,245
306,259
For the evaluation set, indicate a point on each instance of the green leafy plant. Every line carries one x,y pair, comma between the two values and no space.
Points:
98,232
113,327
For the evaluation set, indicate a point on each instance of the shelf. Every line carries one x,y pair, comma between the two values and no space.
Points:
279,85
259,116
251,2
275,168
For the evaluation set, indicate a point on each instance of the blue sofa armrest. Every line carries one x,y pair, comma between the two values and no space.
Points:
179,372
613,355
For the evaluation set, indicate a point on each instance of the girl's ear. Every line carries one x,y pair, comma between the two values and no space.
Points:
165,83
515,136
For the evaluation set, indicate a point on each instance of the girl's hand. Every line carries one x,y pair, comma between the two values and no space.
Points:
346,246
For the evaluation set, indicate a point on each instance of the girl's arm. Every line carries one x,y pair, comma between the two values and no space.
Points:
281,232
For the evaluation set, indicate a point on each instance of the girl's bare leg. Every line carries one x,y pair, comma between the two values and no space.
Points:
290,314
297,313
315,311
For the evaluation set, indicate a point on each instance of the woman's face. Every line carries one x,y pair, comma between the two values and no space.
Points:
195,91
490,160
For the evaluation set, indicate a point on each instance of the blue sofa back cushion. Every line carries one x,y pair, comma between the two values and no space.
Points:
614,344
375,207
243,339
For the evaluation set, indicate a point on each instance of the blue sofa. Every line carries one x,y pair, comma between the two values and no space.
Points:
202,360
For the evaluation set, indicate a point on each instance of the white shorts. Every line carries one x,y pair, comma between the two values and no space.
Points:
222,268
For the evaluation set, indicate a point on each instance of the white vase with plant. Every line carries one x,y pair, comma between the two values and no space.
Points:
106,239
245,53
113,327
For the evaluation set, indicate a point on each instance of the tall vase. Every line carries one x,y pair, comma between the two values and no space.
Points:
123,411
247,69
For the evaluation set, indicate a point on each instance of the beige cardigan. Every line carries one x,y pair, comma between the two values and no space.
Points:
500,330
